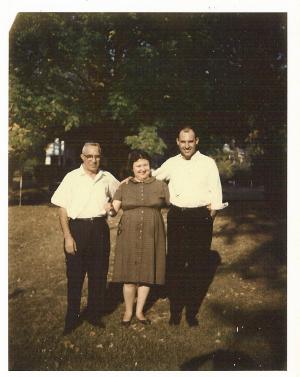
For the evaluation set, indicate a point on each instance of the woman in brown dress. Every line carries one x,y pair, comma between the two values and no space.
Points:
141,239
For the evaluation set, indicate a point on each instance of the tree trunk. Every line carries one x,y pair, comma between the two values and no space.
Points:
20,189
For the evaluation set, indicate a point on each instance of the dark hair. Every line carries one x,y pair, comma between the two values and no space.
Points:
186,129
135,155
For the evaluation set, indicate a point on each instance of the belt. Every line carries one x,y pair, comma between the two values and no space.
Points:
188,209
90,219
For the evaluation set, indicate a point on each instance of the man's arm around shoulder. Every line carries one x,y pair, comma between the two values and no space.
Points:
163,172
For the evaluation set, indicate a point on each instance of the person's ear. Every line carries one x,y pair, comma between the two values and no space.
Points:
82,157
197,140
177,142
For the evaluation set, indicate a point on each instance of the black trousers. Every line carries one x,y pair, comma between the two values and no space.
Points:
91,259
189,239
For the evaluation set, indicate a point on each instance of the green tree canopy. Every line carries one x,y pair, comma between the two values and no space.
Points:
105,75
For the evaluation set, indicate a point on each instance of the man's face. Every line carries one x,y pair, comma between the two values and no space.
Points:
187,143
91,159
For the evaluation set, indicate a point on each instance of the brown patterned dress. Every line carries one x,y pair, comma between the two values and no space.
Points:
140,254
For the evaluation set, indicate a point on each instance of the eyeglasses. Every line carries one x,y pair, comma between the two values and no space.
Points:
92,156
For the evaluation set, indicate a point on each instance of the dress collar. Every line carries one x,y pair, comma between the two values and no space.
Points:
147,180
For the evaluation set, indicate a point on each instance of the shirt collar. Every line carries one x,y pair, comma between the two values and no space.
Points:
194,156
83,172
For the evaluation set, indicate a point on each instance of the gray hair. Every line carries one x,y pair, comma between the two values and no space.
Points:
90,144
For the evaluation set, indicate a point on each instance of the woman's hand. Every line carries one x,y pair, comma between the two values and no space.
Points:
108,207
70,245
112,208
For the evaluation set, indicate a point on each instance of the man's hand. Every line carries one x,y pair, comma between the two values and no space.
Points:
213,212
126,180
70,245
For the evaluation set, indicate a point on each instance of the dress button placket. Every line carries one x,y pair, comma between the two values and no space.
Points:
139,255
142,197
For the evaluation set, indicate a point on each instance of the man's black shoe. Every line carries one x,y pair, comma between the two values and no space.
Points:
96,322
68,329
92,318
70,326
192,322
174,320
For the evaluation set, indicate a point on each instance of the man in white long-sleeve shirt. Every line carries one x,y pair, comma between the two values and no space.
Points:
195,196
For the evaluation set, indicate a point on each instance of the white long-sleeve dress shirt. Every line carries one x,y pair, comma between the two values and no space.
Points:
192,183
83,196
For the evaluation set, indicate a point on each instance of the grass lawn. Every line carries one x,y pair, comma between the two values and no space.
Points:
242,318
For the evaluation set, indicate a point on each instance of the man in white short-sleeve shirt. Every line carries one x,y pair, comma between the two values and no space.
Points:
195,196
81,197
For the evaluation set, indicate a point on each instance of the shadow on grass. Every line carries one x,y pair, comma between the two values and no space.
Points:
266,264
196,287
16,293
267,325
255,328
269,259
113,297
221,360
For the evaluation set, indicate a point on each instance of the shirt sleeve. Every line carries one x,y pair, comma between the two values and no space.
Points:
162,173
118,193
62,195
215,188
113,186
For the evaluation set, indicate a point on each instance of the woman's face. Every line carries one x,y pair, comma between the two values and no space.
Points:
141,169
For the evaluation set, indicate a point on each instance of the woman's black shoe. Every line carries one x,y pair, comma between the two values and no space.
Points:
126,323
144,321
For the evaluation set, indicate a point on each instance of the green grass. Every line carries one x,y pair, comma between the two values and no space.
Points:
243,320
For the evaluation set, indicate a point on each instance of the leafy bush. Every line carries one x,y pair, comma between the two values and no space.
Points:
147,140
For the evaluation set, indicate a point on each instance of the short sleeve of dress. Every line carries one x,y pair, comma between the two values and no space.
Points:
118,194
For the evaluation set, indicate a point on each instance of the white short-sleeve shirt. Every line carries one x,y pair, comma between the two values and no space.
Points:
83,196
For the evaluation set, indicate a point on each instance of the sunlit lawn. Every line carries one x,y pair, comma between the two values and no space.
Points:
242,318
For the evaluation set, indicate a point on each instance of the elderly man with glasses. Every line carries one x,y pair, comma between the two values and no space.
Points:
81,197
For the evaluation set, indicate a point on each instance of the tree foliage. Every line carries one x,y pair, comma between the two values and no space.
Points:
147,140
105,75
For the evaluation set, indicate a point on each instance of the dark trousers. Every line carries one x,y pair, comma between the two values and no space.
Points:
189,239
91,259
